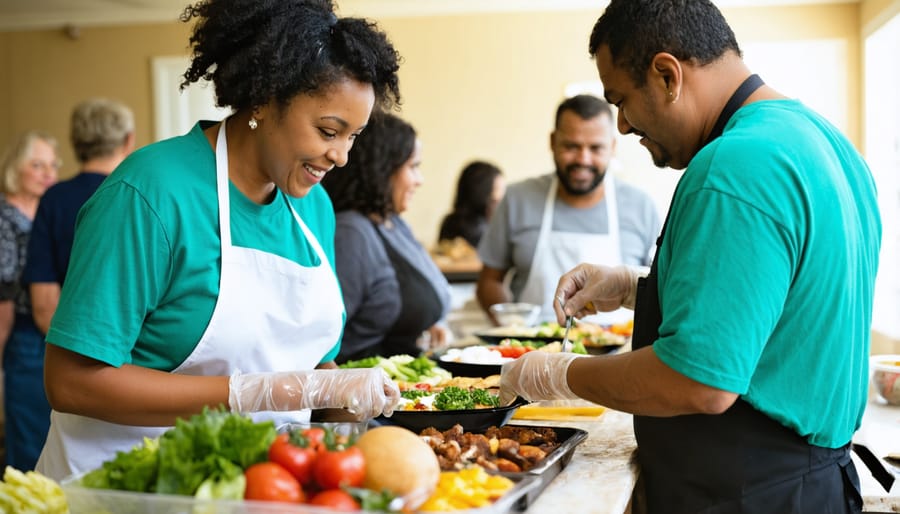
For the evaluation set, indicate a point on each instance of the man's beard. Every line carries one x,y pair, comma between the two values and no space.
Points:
570,188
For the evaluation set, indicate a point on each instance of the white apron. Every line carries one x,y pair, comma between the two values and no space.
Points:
271,314
558,252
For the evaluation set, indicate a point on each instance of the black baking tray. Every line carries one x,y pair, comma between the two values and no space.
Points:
552,465
472,420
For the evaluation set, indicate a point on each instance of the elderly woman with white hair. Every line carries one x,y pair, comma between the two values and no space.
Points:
29,167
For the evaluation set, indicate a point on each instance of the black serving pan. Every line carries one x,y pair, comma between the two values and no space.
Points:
497,334
472,420
466,369
552,465
472,369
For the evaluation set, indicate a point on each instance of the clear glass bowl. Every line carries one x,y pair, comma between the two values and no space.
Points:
516,314
886,377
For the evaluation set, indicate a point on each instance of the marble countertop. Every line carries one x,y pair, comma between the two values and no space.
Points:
602,473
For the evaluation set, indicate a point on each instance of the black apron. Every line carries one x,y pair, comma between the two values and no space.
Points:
420,308
741,461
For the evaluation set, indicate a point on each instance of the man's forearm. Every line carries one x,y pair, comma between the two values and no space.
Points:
490,293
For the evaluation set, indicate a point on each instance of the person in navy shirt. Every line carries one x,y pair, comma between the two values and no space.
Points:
102,135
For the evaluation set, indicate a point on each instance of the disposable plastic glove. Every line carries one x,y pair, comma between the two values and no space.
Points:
537,376
367,392
590,288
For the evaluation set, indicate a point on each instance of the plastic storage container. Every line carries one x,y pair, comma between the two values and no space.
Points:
100,501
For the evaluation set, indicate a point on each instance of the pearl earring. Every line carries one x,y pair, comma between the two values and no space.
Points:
253,123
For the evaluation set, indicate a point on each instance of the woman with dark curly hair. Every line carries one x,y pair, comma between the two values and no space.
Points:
216,285
481,186
393,292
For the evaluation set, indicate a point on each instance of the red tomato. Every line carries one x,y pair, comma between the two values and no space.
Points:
335,499
512,351
316,438
271,482
298,461
344,467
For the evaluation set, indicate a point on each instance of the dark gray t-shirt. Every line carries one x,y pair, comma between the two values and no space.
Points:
511,236
368,282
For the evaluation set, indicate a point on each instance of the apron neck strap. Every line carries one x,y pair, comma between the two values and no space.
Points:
747,88
740,95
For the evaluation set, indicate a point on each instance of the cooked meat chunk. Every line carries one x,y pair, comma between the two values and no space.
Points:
506,465
516,449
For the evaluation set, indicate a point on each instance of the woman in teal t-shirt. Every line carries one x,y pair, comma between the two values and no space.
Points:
201,273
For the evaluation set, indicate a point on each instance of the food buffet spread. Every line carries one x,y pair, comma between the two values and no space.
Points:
450,447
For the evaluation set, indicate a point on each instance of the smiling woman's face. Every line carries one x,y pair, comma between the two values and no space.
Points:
313,135
406,180
38,170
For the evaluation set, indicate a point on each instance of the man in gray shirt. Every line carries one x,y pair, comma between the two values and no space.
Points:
547,225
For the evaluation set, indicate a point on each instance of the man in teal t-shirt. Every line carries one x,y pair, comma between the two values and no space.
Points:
748,375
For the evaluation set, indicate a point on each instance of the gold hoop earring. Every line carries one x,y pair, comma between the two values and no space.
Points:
253,123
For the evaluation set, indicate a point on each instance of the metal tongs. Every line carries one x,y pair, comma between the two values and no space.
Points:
566,345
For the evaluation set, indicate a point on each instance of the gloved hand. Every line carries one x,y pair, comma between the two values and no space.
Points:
537,376
590,288
365,391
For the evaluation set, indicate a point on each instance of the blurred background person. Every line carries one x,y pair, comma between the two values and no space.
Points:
102,135
480,188
546,225
29,167
393,292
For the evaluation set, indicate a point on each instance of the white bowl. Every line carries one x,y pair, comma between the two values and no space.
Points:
886,377
516,314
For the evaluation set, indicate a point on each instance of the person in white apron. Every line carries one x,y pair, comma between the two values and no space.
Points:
274,304
558,251
546,225
262,297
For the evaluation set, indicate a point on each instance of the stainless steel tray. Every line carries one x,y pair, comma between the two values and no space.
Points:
551,466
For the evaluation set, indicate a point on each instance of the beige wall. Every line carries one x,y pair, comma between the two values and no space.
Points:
476,86
45,73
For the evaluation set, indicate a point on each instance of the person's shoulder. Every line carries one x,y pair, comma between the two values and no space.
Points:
354,222
174,167
532,183
167,158
530,187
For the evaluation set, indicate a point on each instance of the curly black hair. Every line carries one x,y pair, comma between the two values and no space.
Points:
636,30
257,51
364,184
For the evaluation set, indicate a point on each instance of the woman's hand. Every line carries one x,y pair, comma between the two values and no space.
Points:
367,392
